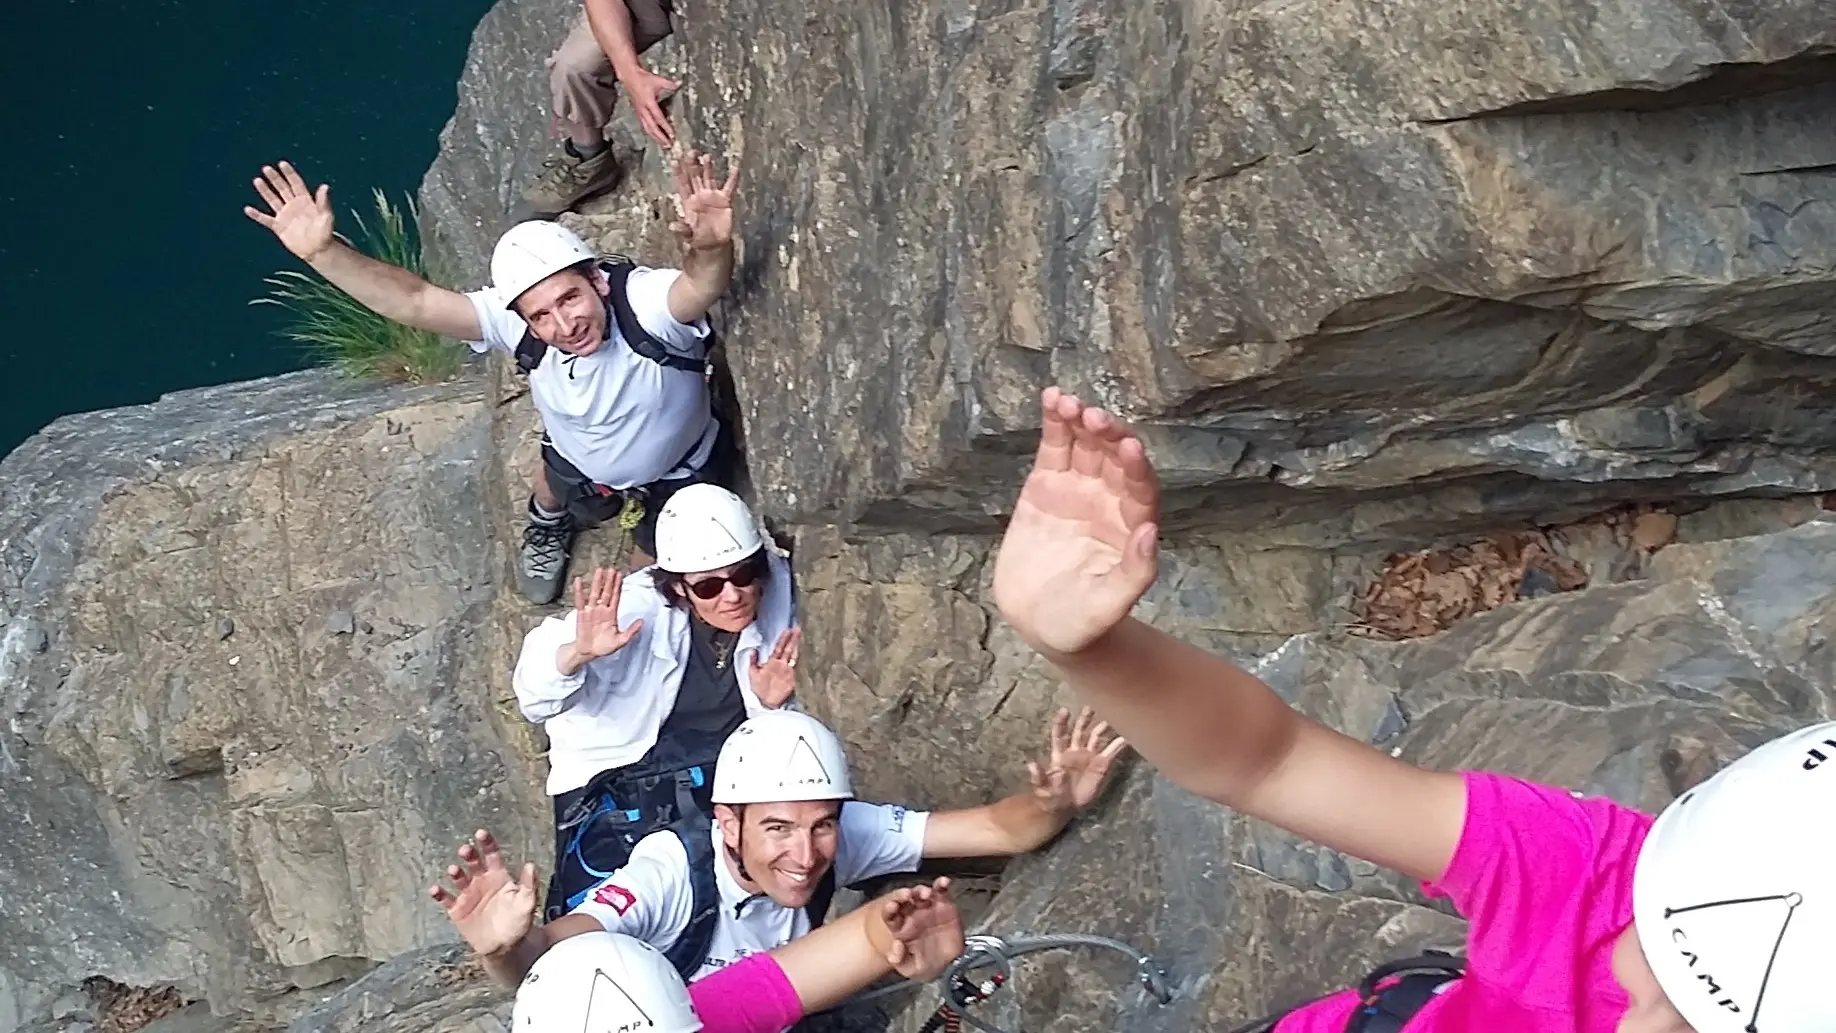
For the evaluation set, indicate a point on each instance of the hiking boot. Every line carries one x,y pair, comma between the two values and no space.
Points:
542,562
566,180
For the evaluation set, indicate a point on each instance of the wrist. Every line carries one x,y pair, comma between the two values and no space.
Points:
627,67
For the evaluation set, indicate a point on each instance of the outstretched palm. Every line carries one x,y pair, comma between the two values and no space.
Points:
596,630
492,910
1078,764
1080,548
704,210
301,217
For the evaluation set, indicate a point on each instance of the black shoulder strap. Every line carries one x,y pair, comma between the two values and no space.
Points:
618,270
529,352
818,907
691,948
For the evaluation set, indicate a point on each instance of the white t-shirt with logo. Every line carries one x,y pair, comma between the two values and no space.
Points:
620,418
651,897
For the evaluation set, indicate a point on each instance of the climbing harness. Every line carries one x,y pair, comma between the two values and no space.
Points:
985,951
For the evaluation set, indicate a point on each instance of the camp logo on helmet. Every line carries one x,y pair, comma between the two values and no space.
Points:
804,768
1815,757
615,1019
1724,997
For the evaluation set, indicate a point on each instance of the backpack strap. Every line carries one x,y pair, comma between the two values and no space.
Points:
691,948
618,269
1388,1010
818,907
531,350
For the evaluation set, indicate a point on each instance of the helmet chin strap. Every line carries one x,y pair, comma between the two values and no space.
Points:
739,863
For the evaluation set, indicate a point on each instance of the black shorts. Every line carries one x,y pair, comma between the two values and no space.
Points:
590,504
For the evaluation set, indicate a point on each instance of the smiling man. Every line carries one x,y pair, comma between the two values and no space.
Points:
616,353
787,831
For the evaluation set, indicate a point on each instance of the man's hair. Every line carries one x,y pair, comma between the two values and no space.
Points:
584,267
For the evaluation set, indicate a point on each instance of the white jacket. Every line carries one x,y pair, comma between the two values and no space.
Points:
607,714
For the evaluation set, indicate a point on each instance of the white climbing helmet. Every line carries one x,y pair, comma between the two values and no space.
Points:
780,755
1734,894
705,527
531,252
601,983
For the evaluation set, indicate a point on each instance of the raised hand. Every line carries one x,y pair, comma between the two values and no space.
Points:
705,211
596,630
300,217
776,679
491,910
647,91
927,929
1075,770
1081,547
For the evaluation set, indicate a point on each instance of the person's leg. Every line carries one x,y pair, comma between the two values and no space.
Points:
584,90
542,561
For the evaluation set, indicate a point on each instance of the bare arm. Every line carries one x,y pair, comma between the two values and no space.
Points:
706,231
1218,731
1080,550
507,967
302,219
915,932
610,21
1069,780
1015,825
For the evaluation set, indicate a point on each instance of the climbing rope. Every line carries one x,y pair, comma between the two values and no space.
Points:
984,951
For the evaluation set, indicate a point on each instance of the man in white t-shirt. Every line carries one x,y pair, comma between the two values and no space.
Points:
616,354
787,832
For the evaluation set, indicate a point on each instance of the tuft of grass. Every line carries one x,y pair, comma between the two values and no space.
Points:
339,332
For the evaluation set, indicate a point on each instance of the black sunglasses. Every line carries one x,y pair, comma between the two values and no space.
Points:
708,588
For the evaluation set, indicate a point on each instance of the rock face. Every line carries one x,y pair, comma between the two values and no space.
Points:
1368,279
1368,276
240,812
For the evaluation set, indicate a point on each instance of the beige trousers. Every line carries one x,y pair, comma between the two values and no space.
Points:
580,75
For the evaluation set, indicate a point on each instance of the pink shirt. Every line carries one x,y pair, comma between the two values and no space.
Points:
752,995
1544,880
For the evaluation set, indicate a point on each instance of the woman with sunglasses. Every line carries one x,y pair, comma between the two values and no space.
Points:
638,685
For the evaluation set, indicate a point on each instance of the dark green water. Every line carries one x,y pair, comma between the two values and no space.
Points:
131,132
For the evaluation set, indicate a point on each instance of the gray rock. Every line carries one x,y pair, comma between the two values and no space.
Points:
340,622
1397,293
225,628
438,989
242,830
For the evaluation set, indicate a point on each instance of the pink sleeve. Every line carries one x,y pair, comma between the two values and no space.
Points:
752,995
1544,879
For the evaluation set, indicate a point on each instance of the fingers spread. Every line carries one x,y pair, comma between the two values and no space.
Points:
1092,444
733,164
293,178
1140,487
493,857
1080,733
1054,435
261,217
268,194
1060,722
1115,747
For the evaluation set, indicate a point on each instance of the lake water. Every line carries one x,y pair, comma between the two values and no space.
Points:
131,135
